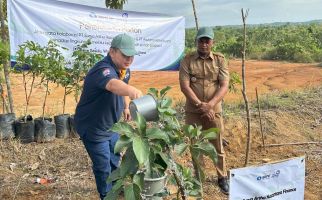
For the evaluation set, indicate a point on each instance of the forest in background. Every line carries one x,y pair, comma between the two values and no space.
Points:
293,42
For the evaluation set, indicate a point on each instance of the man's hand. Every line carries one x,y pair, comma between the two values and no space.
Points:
134,93
205,107
210,115
126,114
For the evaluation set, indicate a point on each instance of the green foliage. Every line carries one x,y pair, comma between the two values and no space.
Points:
297,43
52,68
46,62
233,82
55,62
4,52
115,4
83,60
4,9
31,58
149,147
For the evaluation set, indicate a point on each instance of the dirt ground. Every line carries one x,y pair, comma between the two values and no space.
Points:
267,76
67,161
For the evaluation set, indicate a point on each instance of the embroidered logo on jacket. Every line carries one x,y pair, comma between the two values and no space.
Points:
106,72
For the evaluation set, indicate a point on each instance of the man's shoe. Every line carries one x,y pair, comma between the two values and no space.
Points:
223,185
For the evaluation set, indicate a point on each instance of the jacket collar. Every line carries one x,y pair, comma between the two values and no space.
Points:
196,55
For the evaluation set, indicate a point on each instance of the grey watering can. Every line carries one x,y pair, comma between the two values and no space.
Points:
146,106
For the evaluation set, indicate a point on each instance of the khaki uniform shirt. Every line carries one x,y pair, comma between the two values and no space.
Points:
204,76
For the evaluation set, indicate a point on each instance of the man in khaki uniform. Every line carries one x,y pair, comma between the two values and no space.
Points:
204,80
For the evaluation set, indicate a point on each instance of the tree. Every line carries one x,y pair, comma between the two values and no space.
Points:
52,68
115,4
30,59
65,79
5,64
4,56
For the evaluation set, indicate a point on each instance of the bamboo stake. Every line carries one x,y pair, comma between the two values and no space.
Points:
260,119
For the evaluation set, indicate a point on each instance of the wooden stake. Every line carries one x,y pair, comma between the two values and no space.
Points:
244,16
260,119
195,14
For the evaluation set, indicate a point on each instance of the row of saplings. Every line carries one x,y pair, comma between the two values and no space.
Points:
48,64
26,129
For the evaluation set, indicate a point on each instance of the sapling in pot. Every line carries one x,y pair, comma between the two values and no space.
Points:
30,59
149,153
45,129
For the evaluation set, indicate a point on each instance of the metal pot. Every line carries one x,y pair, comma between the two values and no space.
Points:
147,106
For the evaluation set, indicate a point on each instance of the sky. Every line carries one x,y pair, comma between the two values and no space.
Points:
226,12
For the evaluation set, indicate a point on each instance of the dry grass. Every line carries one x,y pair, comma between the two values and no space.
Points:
286,118
68,163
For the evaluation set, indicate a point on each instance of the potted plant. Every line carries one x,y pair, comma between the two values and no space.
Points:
30,58
45,128
148,154
62,120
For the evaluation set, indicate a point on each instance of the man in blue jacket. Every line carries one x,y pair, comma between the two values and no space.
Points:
106,95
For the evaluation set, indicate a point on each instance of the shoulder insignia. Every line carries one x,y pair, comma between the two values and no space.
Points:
219,54
106,72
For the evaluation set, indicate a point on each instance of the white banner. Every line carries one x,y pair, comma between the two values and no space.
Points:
159,38
279,181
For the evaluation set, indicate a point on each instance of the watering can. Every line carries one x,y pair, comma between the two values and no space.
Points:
147,106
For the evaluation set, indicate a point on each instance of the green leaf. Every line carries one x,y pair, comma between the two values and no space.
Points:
180,148
123,128
141,150
132,192
187,129
154,92
170,112
156,148
166,102
194,132
117,186
195,156
156,133
210,133
138,179
141,123
194,193
112,195
163,160
162,110
115,175
164,91
207,149
129,164
122,143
